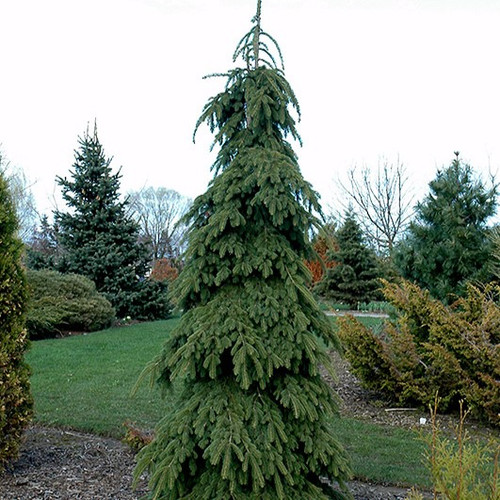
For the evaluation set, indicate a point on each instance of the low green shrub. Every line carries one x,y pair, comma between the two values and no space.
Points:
330,305
429,348
373,306
65,302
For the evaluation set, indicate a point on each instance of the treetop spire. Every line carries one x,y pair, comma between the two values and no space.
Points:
256,39
257,47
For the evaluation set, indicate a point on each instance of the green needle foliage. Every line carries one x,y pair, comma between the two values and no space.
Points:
355,277
15,396
448,244
100,241
254,418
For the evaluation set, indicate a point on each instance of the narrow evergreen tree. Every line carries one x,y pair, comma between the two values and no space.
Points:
15,396
254,419
448,243
100,241
355,277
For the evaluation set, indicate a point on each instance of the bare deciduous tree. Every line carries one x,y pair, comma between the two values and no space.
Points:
383,201
22,197
158,211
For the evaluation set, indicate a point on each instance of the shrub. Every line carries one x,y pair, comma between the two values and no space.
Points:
16,404
376,307
136,438
461,469
164,270
62,302
431,348
150,301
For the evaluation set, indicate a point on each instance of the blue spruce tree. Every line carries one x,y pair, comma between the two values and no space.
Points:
100,241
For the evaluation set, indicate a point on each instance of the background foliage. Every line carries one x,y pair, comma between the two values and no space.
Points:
100,241
354,277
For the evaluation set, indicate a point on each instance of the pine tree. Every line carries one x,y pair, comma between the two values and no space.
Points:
15,396
448,243
100,241
254,419
355,277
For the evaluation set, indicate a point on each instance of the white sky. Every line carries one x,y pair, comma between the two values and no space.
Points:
408,79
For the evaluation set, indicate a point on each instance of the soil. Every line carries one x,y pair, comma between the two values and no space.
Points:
64,464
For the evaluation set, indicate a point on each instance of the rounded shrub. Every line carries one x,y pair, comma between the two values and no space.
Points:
64,302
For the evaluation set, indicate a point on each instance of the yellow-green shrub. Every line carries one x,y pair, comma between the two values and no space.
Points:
460,468
429,347
15,397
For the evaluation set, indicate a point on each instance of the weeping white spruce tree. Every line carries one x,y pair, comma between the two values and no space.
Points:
254,419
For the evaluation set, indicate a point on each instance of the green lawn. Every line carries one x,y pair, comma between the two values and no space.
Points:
84,382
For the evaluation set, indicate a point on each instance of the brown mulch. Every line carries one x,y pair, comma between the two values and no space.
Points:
62,464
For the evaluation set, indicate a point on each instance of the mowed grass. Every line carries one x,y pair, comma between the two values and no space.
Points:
85,383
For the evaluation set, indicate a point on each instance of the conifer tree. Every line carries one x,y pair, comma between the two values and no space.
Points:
448,244
15,396
354,278
254,417
100,241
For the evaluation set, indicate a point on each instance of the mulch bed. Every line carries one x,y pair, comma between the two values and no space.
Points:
63,465
60,464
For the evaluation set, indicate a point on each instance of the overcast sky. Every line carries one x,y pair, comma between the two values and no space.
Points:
408,79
